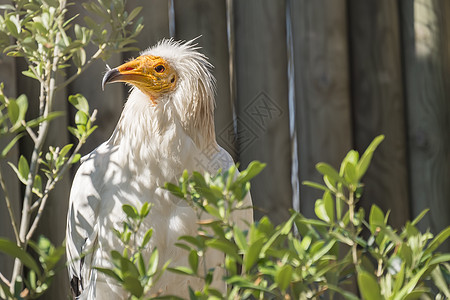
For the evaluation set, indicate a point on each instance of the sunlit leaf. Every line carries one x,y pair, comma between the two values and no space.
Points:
251,256
80,103
133,285
326,169
368,286
130,211
366,158
283,276
193,261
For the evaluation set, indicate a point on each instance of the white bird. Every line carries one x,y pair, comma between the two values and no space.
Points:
166,126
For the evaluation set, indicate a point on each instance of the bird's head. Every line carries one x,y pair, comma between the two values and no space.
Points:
174,73
153,75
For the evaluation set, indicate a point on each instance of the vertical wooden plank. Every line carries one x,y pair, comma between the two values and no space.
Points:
262,102
378,103
7,76
156,23
208,19
426,34
322,89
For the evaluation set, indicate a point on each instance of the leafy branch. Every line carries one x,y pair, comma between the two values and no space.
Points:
49,44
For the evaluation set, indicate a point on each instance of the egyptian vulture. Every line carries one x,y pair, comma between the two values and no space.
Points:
166,126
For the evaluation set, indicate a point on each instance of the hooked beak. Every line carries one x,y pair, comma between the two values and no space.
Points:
113,75
130,72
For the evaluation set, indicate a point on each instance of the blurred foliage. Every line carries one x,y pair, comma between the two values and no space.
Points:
41,272
306,258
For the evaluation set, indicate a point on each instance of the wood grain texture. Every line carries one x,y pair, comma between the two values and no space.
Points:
426,35
207,19
262,102
378,104
156,23
8,72
322,89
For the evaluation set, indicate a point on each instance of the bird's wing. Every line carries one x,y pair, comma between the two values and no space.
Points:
81,231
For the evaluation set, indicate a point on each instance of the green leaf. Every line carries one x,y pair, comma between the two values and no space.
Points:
366,158
181,270
419,217
315,185
376,218
283,277
37,186
22,103
193,261
329,205
11,144
13,111
409,287
153,263
437,241
226,247
440,282
351,158
416,294
251,256
130,211
145,209
49,117
240,239
368,286
81,118
76,158
350,174
30,74
174,189
141,264
326,169
133,285
23,167
147,237
80,103
439,258
253,169
133,14
109,273
12,28
10,248
322,251
321,212
399,279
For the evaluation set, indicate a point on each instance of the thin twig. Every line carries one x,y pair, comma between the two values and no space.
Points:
30,132
83,68
50,185
3,278
10,209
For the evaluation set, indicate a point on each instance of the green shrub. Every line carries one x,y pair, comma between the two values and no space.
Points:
49,43
302,258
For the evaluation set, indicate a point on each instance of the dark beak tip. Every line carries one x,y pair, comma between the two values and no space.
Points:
109,77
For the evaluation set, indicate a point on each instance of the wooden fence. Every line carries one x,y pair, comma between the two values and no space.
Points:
298,82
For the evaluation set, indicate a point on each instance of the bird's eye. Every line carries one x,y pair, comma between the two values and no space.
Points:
160,68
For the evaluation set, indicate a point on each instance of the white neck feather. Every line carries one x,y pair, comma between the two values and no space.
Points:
177,127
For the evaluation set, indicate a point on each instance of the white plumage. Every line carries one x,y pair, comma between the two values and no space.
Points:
166,127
